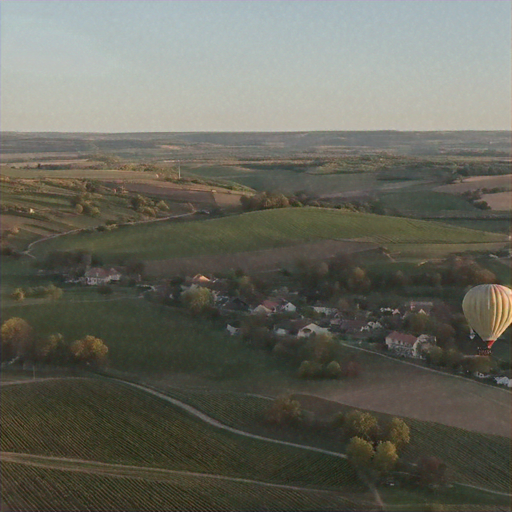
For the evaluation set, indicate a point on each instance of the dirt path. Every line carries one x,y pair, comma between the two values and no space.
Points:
213,422
25,458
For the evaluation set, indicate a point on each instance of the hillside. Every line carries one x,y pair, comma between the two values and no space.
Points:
263,229
151,446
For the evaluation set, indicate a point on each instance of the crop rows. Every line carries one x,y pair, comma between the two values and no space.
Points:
472,458
93,420
232,409
26,488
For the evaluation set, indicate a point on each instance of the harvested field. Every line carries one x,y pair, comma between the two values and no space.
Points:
172,192
499,201
254,261
100,175
394,387
476,182
225,199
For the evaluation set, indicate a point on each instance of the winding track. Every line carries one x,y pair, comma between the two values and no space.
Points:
26,458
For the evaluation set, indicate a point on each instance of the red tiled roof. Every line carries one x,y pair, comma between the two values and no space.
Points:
407,339
97,272
269,304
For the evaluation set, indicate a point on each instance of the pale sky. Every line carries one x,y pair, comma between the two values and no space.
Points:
255,65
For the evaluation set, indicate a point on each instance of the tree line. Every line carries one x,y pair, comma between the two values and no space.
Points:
21,344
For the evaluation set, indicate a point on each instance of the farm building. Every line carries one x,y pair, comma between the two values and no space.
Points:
287,307
400,343
98,276
267,307
409,345
310,329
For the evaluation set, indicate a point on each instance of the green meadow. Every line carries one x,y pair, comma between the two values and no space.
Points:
262,230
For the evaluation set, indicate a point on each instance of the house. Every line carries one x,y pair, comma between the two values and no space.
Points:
423,343
199,279
235,304
267,307
287,307
352,326
324,310
420,307
115,274
400,343
99,276
310,329
232,329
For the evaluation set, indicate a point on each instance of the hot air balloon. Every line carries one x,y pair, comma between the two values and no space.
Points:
488,310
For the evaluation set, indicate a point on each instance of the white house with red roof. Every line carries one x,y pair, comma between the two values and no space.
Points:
400,343
97,276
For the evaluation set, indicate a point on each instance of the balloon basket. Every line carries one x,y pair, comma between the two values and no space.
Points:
484,352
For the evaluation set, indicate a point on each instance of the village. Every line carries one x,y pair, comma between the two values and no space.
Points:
282,319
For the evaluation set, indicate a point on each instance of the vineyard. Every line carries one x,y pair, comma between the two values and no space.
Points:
95,421
26,488
473,458
260,230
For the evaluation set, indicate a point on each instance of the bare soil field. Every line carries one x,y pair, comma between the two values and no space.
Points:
499,201
257,261
226,200
172,192
477,182
393,387
100,175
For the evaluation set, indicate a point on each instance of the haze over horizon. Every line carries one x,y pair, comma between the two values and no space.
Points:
232,66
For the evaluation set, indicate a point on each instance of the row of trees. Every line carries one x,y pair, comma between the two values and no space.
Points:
340,275
370,447
21,344
147,206
46,292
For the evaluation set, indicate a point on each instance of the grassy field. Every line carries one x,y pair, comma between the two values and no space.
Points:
261,230
145,338
35,489
278,179
97,421
426,201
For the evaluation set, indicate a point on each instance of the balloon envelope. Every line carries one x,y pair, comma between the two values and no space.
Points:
488,310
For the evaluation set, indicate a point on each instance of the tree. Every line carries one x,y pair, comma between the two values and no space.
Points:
321,348
18,295
431,472
44,348
481,364
434,355
398,432
385,457
197,299
417,323
361,424
360,452
89,350
17,337
333,370
284,410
